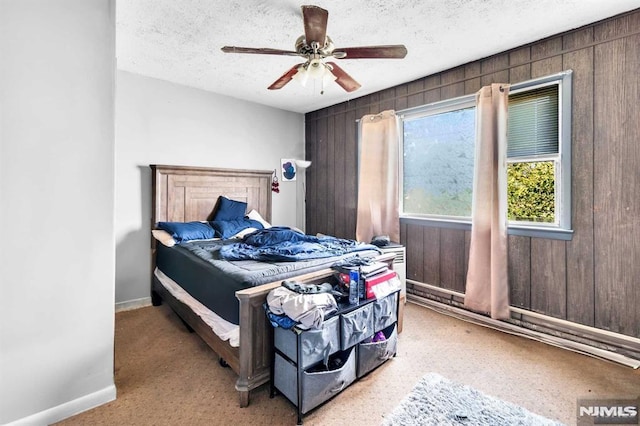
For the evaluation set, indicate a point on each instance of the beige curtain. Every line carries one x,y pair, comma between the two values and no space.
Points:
378,212
487,289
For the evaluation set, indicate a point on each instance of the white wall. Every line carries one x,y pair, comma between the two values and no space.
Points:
57,258
164,123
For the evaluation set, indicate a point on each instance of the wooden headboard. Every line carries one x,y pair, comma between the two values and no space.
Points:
184,194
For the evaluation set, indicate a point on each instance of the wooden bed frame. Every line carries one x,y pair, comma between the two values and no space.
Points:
183,194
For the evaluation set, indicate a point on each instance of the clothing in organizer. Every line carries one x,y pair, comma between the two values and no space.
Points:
307,309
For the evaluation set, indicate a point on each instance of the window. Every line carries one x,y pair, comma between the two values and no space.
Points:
532,155
438,155
438,160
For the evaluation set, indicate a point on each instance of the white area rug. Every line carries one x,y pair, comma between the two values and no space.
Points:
438,401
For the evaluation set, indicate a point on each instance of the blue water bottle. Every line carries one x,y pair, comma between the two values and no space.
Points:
354,280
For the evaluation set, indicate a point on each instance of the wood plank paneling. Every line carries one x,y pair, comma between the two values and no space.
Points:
311,150
340,176
588,280
545,48
520,271
322,174
431,255
387,99
578,39
452,266
432,89
495,69
472,79
616,179
517,72
415,260
332,163
616,27
453,83
373,103
547,64
548,284
416,94
580,256
402,101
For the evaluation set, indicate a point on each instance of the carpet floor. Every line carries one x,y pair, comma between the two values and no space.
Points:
167,376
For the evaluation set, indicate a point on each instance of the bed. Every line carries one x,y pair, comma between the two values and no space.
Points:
243,336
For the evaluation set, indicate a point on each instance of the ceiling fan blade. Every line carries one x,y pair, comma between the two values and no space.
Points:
285,78
343,79
396,51
263,51
315,24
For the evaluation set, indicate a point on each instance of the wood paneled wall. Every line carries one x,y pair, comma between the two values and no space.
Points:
594,279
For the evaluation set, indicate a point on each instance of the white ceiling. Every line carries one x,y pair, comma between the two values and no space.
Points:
180,41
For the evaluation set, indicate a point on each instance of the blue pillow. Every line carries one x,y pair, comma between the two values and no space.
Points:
185,231
229,228
230,209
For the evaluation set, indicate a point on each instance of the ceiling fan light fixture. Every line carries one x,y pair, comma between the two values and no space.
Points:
302,76
328,76
316,69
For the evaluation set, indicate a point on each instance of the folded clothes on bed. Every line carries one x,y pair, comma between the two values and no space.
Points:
307,309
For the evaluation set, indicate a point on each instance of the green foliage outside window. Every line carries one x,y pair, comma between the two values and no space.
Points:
531,192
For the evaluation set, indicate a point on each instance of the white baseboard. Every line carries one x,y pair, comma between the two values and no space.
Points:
68,409
133,304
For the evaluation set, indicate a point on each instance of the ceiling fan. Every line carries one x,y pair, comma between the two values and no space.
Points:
316,46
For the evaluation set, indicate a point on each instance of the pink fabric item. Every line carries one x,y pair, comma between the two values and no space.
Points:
487,289
378,197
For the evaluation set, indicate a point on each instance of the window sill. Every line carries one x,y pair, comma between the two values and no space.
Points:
541,232
519,230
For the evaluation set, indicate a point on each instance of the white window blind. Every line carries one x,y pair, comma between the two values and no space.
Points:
533,122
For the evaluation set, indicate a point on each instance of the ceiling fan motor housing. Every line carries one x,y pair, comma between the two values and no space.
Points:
303,48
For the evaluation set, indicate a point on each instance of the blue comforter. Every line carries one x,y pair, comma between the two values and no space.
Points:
283,244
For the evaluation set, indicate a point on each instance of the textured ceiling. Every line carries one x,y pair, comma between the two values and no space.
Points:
180,40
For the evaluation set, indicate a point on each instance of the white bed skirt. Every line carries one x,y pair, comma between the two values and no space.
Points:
222,328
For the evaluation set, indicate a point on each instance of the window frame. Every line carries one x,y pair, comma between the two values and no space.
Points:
561,228
440,107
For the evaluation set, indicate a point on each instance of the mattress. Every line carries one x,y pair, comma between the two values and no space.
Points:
197,268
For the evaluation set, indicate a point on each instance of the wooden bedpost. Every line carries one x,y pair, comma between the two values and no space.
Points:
255,341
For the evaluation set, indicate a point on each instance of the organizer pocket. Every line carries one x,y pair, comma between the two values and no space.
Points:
316,345
317,384
371,355
356,326
384,311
